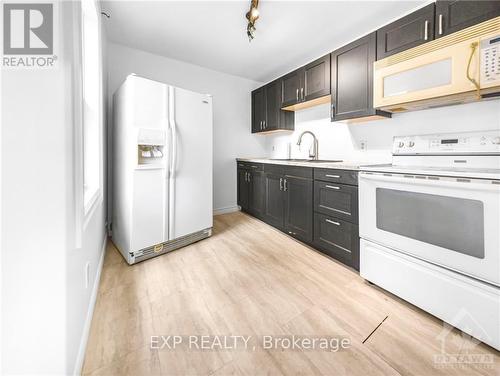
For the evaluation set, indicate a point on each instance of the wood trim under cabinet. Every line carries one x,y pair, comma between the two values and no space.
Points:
308,104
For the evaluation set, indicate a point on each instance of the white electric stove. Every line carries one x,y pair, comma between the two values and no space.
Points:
430,227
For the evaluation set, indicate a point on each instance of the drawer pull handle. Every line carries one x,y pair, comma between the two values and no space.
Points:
254,166
332,187
332,222
332,176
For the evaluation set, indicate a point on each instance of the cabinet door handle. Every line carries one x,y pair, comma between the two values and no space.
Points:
297,94
332,222
302,93
253,166
249,177
440,25
265,126
332,176
426,30
332,187
281,184
285,185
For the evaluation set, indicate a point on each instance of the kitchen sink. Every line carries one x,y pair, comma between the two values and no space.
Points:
307,160
290,160
324,160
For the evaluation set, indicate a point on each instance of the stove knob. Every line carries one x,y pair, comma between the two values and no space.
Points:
496,141
401,144
411,144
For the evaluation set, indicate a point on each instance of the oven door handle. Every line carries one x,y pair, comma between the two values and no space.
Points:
461,183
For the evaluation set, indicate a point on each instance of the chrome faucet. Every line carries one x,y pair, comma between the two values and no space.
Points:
313,151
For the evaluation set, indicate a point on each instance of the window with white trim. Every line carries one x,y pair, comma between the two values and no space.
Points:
91,76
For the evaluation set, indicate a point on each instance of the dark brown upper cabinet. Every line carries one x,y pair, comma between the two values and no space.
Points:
352,81
452,16
258,109
291,86
317,79
266,112
272,106
407,32
306,86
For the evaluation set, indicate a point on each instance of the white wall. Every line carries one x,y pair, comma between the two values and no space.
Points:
44,301
81,298
36,134
231,107
339,140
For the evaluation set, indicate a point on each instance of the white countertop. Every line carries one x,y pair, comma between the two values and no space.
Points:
343,165
367,166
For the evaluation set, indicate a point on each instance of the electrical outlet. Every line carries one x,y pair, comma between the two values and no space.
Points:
363,145
87,275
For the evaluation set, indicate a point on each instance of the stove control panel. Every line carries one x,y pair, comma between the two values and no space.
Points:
485,142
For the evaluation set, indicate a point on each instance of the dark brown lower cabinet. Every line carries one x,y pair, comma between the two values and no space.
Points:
251,189
288,200
256,193
243,188
298,208
338,200
336,230
274,200
337,238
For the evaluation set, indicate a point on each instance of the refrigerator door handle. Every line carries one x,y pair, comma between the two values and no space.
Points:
173,161
173,130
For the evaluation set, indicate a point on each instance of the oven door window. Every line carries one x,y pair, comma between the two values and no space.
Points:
453,223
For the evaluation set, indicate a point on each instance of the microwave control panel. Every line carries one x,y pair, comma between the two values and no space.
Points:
490,60
485,142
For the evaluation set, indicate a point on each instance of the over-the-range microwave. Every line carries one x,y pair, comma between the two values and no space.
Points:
458,68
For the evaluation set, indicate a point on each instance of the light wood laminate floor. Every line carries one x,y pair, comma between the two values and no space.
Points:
250,279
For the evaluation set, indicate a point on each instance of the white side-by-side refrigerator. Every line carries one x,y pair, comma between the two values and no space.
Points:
162,168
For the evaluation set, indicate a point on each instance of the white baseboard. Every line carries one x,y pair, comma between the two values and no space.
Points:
229,209
90,312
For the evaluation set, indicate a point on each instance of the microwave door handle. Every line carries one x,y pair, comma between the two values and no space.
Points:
473,47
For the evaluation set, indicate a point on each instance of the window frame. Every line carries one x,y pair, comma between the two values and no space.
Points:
92,199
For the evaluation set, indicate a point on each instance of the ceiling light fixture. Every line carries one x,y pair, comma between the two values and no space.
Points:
252,16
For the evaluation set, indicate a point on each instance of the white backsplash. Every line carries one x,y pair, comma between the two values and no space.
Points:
339,140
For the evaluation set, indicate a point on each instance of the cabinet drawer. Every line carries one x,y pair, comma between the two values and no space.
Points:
274,169
337,238
300,172
336,176
251,166
338,200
